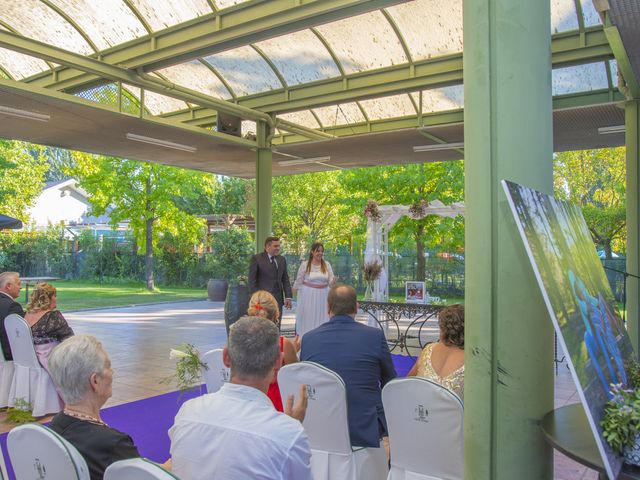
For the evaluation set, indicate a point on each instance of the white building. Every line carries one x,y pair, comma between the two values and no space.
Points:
64,202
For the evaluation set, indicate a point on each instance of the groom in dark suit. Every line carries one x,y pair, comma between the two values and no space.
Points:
10,286
360,355
268,271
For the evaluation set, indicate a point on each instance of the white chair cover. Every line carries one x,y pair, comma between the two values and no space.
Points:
332,457
6,376
136,469
425,422
217,374
38,452
30,382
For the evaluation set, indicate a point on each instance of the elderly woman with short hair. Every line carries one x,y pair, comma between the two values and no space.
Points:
82,373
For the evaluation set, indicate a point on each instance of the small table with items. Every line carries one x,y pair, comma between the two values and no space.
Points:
388,316
567,430
33,281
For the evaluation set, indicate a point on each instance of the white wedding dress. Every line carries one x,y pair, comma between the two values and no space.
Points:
313,288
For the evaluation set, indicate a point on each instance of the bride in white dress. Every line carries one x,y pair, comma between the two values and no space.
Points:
314,278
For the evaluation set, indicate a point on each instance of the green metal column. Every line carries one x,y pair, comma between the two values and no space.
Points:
509,336
263,196
632,134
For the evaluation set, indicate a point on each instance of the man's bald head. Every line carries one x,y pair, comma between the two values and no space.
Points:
342,300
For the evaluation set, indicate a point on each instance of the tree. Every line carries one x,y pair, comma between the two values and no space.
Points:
21,177
595,180
407,185
309,208
146,195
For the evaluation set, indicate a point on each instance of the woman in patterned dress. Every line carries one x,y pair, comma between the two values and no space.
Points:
443,361
48,326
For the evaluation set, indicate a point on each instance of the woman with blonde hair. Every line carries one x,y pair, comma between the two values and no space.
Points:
48,326
263,304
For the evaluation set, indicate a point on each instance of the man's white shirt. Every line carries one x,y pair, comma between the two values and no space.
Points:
236,433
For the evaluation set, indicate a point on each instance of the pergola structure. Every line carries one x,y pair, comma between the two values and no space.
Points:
261,88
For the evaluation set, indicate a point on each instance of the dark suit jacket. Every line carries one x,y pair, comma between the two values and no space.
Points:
263,275
7,307
360,355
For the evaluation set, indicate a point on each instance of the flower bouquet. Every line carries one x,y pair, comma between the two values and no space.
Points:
621,420
188,367
371,272
419,209
372,211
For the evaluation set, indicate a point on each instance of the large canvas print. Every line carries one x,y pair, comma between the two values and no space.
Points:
579,299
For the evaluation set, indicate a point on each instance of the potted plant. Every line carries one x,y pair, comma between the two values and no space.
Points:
237,301
621,420
231,249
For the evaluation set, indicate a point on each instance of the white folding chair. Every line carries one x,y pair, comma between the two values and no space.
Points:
30,381
36,451
332,457
217,374
6,376
425,422
136,469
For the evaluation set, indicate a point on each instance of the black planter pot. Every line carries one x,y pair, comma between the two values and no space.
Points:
236,304
216,290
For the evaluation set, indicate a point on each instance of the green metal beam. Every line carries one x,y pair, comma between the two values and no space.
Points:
115,73
431,73
624,64
577,100
232,27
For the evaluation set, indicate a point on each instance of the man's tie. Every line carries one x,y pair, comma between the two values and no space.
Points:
273,261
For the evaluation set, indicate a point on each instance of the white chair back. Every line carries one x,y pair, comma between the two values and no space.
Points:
21,341
38,452
217,374
6,377
326,419
326,424
425,422
136,469
30,381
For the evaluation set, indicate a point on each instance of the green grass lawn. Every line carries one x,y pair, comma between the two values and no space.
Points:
74,295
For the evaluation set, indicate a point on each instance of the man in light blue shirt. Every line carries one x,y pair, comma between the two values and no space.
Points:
236,432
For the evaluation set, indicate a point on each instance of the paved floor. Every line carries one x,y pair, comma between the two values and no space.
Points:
138,339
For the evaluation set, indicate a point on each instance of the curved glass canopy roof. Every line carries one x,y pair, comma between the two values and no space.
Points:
361,67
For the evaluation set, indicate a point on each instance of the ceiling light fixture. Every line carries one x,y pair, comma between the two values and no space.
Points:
610,130
160,143
303,161
436,147
16,112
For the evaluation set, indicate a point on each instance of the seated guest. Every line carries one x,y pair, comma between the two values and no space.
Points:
360,355
81,371
443,361
235,433
48,326
263,304
10,286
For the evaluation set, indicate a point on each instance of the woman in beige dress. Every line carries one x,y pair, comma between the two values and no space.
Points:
443,361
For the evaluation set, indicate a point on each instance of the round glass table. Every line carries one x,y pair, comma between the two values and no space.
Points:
567,430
